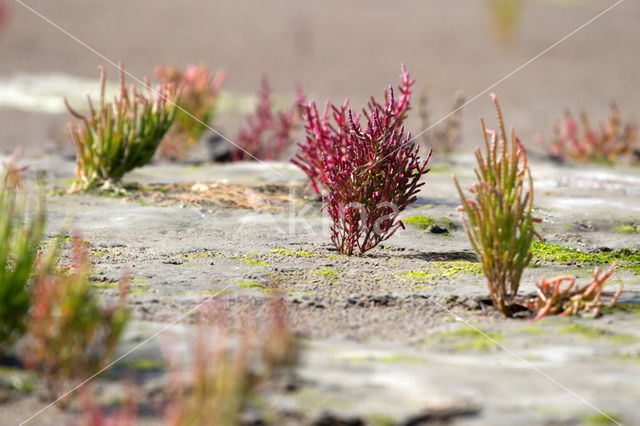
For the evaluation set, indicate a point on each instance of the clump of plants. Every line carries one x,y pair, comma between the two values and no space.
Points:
579,141
267,134
227,371
196,106
21,230
119,136
71,335
445,136
371,172
498,219
559,296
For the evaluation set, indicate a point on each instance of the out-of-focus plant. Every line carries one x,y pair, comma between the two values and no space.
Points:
327,144
612,142
499,221
198,97
21,230
71,335
267,134
118,136
443,137
227,370
94,415
553,299
4,13
505,15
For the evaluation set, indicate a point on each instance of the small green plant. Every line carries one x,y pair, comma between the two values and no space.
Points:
119,136
226,371
552,299
199,93
21,229
499,221
71,335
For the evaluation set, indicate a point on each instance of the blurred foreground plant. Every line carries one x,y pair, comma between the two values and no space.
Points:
227,371
371,173
552,299
198,97
21,230
612,142
499,220
267,134
71,336
505,15
122,135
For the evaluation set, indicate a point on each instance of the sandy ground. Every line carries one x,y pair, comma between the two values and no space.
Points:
382,332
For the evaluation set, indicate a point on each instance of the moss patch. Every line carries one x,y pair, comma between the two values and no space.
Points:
545,252
449,269
287,252
424,222
628,229
467,338
602,419
583,331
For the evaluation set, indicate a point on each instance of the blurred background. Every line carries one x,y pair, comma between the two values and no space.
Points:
332,48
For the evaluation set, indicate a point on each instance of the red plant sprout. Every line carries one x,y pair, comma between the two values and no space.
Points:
326,144
266,135
553,299
613,141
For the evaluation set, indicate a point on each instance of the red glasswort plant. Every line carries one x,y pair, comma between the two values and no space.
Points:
267,134
198,97
327,144
372,173
612,142
71,335
499,221
553,299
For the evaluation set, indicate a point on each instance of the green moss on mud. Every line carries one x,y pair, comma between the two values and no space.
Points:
424,222
602,419
552,253
287,252
467,339
584,331
438,270
628,229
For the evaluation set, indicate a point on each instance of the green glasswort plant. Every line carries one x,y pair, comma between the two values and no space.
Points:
71,335
21,229
499,221
118,136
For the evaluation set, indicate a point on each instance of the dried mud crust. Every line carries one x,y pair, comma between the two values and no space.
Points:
215,195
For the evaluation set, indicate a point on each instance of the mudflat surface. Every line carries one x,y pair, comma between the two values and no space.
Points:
387,336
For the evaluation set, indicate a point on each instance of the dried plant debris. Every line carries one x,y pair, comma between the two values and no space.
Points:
560,296
208,195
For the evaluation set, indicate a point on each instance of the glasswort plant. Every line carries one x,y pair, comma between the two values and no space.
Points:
119,136
21,230
371,172
267,134
71,335
198,97
499,220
